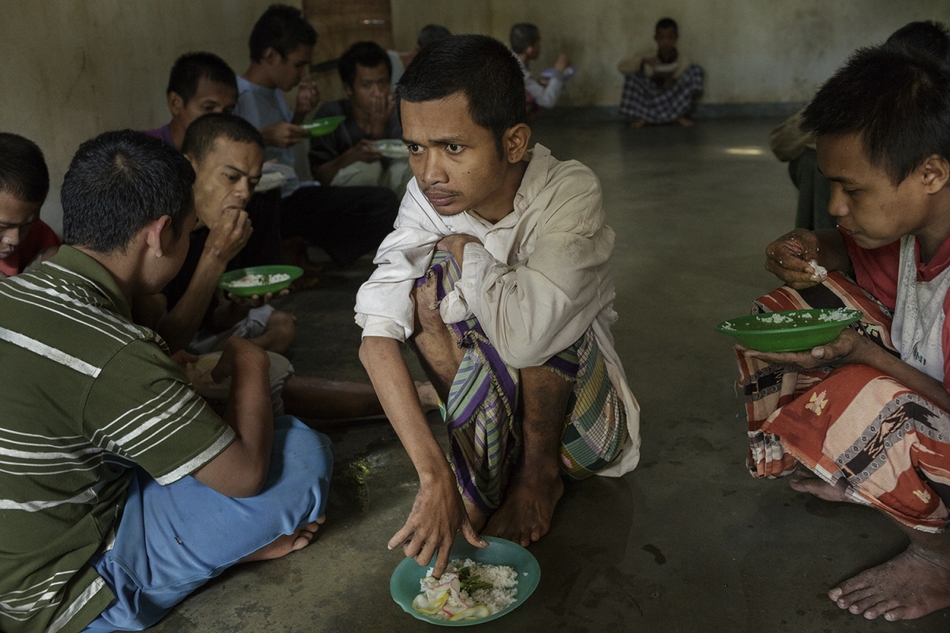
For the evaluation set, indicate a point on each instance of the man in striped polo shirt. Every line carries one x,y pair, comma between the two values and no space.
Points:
120,490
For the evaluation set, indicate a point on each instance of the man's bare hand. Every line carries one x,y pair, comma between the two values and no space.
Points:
789,257
256,301
381,110
364,151
282,134
229,234
234,347
455,244
563,61
847,349
182,358
437,516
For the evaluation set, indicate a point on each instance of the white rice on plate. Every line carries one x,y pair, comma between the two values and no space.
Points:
467,590
252,280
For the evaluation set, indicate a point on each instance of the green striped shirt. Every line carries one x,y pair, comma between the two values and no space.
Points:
86,395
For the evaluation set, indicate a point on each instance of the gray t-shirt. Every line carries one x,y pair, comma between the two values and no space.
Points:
261,107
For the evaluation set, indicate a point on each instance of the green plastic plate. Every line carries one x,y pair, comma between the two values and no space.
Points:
791,330
227,280
404,584
319,127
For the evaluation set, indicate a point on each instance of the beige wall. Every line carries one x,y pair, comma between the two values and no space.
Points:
752,50
74,69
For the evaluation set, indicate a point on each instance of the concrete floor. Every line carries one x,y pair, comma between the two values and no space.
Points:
688,541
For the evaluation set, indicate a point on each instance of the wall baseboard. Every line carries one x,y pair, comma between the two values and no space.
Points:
777,110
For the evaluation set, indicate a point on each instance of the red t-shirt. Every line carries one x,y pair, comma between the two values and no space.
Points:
876,271
36,241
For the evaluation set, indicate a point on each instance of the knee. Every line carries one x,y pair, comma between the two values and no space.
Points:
283,326
426,302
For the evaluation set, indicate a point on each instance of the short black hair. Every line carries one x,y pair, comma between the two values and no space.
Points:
366,54
923,38
23,172
191,67
667,23
432,33
523,35
117,183
478,66
282,28
897,102
206,129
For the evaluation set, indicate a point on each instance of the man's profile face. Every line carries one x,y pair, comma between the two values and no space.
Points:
867,204
287,72
225,178
370,85
455,161
16,219
210,97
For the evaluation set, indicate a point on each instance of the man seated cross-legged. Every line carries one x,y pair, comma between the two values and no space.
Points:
498,273
866,418
123,491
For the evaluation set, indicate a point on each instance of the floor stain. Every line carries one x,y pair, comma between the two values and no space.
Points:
658,556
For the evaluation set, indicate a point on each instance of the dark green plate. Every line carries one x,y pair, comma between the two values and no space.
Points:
319,127
228,278
791,330
404,584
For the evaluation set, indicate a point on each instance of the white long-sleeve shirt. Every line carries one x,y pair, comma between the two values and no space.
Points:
531,312
544,96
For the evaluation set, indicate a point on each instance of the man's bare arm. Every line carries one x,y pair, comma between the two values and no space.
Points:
225,240
438,512
241,469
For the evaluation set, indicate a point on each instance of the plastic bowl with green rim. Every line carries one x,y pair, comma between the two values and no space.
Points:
404,584
789,330
319,127
258,280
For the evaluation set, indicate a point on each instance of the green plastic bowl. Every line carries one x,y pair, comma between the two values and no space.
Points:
404,584
319,127
227,280
790,330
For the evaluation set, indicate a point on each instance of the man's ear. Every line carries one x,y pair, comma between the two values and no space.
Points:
158,235
175,103
935,173
270,55
514,142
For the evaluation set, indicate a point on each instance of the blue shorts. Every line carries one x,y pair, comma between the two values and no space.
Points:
173,539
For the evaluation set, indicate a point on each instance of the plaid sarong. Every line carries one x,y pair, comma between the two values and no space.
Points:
855,427
483,409
643,98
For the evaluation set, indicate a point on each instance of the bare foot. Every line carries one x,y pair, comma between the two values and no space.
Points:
427,396
637,123
910,585
287,543
525,514
807,482
683,121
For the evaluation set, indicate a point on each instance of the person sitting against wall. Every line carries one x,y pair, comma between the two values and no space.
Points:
25,240
661,85
349,155
525,40
346,222
400,61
